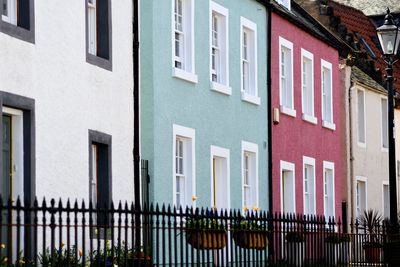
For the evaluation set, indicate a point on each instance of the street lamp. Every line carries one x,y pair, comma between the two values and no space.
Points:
389,38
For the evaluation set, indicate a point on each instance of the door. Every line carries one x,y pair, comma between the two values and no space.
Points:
6,234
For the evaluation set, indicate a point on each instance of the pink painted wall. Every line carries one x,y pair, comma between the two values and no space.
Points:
293,138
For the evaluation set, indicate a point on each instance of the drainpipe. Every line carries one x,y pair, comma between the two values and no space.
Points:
269,104
351,157
136,151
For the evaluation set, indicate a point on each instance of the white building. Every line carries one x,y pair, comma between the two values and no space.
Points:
66,90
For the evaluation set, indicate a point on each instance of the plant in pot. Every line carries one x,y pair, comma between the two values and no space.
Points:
249,233
370,222
295,248
337,248
205,232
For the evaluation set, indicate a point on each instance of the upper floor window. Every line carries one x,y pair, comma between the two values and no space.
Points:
286,77
17,19
384,112
250,174
98,35
307,82
249,61
183,40
326,88
361,117
183,162
219,71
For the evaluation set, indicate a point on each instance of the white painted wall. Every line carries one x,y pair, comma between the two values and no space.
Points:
72,96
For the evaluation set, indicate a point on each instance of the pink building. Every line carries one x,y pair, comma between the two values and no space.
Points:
305,99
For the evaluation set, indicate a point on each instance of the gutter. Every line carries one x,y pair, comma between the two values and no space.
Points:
136,150
351,156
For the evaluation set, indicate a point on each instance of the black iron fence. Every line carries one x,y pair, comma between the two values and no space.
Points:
80,235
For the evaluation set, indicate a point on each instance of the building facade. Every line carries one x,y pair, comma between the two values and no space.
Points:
203,102
67,100
306,154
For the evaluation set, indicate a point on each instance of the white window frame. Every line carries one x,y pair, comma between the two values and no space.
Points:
216,151
186,133
327,124
12,12
330,166
251,27
385,183
284,109
186,73
222,13
305,55
285,3
384,149
287,166
248,147
361,144
311,162
365,181
92,27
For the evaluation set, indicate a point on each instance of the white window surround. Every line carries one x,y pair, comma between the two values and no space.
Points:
11,16
186,73
252,148
288,110
223,40
285,3
385,183
327,124
216,151
287,166
384,149
365,181
189,133
249,26
311,162
361,144
308,117
330,166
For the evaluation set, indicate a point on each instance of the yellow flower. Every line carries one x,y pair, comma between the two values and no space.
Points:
2,246
108,243
95,231
194,198
255,208
62,244
21,262
246,209
80,252
5,259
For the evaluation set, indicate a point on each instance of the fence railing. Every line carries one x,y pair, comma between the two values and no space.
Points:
83,235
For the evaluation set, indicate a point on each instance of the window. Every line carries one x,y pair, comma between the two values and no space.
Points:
183,40
248,55
219,70
288,196
326,87
286,77
17,19
98,33
220,178
249,174
386,200
384,112
329,189
309,185
307,82
361,117
361,196
183,166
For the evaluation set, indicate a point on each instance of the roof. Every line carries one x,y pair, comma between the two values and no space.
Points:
363,78
373,8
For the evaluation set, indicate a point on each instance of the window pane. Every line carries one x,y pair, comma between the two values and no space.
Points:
361,116
5,8
385,141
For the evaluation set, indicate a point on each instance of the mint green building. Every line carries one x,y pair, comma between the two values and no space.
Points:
203,102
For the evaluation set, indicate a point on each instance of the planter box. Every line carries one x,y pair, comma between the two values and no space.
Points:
251,239
295,253
206,239
337,253
373,255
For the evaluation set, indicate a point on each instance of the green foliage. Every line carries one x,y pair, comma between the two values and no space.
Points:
370,222
204,223
246,223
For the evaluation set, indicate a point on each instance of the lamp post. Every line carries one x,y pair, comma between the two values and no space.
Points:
389,38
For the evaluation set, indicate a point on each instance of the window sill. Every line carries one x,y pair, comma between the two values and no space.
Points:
288,111
363,145
99,61
251,98
17,32
221,88
329,125
385,149
310,119
184,75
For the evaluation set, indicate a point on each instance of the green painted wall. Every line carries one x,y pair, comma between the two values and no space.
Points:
218,119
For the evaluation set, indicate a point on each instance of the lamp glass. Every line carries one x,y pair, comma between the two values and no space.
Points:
389,39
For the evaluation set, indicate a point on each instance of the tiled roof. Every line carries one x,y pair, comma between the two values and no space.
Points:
373,7
363,78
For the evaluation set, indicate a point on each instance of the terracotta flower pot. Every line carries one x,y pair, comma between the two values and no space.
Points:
206,239
373,255
251,239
